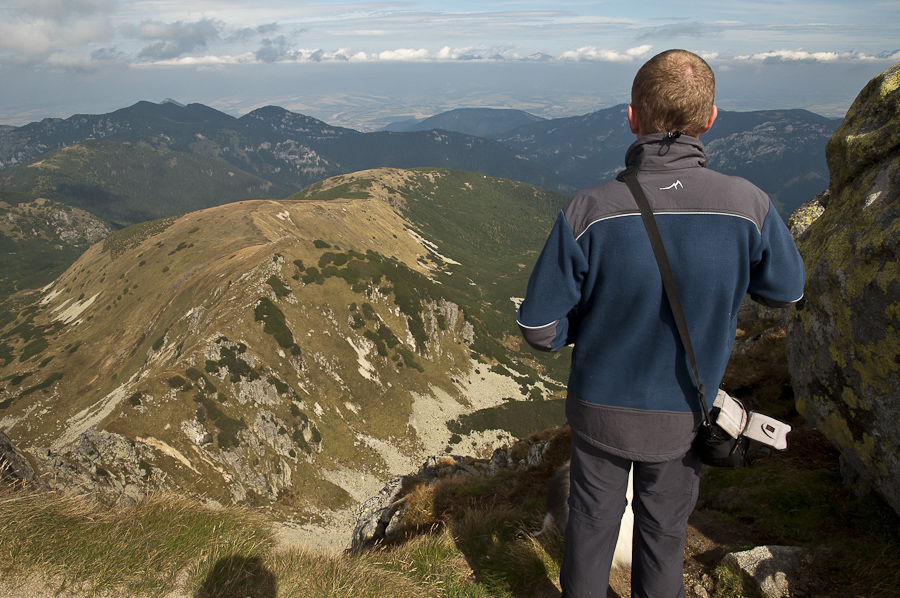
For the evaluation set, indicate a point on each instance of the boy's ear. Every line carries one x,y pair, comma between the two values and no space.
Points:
633,122
712,118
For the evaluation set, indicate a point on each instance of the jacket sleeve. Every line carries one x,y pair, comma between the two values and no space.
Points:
777,274
548,315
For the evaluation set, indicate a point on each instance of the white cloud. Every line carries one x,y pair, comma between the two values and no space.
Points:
639,51
592,54
372,32
278,50
802,55
406,55
52,31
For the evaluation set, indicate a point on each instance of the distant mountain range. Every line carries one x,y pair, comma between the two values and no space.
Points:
286,149
295,350
481,122
781,151
151,161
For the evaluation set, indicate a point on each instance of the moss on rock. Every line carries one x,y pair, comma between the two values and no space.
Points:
844,341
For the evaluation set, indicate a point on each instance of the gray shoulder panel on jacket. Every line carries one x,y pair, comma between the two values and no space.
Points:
687,191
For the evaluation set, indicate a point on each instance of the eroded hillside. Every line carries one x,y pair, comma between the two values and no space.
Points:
288,353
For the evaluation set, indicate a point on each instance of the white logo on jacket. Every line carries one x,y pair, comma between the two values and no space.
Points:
675,185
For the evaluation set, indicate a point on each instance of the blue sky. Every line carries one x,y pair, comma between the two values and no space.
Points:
365,63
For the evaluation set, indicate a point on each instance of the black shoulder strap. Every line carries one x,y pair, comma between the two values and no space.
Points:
665,270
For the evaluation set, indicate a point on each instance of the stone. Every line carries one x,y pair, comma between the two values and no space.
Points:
843,340
381,517
374,516
773,570
14,466
806,214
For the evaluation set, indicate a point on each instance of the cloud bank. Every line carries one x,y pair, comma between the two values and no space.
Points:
81,35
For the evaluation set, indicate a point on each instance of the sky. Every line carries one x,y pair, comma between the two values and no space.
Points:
365,64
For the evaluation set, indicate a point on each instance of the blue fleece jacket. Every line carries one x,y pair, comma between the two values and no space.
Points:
597,285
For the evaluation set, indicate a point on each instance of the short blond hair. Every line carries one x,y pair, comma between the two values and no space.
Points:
674,91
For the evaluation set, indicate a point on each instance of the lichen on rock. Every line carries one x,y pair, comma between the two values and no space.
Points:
844,340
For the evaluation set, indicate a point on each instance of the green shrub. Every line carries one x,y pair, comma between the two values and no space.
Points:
279,288
279,385
237,367
19,378
33,348
313,276
228,426
379,343
121,241
275,324
47,383
178,382
300,441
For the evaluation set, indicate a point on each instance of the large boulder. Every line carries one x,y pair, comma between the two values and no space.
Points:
844,340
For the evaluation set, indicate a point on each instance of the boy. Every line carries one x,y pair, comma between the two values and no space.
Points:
631,397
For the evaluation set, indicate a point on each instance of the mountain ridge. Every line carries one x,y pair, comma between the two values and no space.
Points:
286,148
151,161
50,235
324,343
481,122
782,151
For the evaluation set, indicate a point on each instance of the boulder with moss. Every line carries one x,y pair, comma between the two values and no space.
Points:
844,340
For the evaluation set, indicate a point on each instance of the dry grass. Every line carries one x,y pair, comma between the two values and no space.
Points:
170,544
81,543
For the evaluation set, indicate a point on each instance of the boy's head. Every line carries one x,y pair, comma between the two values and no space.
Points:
674,91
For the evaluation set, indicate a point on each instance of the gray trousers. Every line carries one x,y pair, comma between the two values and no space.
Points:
664,496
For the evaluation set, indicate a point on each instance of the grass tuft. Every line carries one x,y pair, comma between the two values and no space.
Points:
81,543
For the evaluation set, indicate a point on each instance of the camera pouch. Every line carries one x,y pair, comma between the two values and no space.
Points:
718,448
725,439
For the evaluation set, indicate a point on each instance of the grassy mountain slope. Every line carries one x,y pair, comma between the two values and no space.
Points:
127,184
40,238
286,353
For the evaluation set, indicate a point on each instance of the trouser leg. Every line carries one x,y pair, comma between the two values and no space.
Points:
664,496
598,483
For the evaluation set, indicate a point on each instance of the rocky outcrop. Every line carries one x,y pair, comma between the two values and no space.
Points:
381,517
15,469
844,340
105,465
